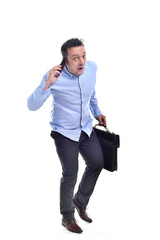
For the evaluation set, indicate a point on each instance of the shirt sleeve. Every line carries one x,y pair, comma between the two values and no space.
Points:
94,105
38,97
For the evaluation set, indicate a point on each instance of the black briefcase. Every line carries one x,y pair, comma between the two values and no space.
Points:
109,142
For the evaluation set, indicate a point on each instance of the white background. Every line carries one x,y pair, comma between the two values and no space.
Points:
122,37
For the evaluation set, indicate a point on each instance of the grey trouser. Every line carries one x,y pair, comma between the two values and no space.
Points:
68,151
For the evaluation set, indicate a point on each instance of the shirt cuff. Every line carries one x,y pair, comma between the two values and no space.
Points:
97,113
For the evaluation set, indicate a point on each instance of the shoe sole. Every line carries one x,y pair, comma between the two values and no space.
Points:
70,230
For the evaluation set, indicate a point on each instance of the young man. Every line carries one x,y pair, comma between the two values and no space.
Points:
73,92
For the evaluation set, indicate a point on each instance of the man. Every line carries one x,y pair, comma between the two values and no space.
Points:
73,92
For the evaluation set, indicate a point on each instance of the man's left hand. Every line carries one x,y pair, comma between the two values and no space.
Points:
102,120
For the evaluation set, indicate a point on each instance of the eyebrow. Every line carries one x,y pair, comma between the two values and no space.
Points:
77,54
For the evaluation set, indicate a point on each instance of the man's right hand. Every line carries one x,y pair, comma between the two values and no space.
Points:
52,76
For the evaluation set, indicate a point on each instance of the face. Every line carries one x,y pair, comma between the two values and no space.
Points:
76,60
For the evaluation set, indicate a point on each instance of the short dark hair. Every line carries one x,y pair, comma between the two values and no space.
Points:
73,42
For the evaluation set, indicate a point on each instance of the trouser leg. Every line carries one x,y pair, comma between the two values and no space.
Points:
91,151
68,153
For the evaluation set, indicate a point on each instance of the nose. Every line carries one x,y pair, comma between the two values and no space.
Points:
81,61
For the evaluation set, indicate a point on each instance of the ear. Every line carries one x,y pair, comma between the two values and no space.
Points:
66,60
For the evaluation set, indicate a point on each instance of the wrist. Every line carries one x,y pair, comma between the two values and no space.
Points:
47,85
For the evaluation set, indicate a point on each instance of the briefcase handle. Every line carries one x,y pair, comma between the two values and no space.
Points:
112,133
106,128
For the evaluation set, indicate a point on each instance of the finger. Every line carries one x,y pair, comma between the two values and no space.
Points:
58,67
105,123
57,74
100,122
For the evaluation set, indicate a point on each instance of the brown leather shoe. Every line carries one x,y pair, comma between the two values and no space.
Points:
82,212
71,226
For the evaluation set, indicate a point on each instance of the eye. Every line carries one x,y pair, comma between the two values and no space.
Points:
75,58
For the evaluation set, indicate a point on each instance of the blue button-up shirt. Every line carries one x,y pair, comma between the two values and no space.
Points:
73,98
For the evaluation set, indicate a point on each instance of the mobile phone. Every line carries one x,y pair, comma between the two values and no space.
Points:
62,64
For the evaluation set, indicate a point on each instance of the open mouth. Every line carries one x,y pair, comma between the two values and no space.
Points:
80,68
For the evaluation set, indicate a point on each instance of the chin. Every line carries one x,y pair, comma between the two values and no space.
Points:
80,73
